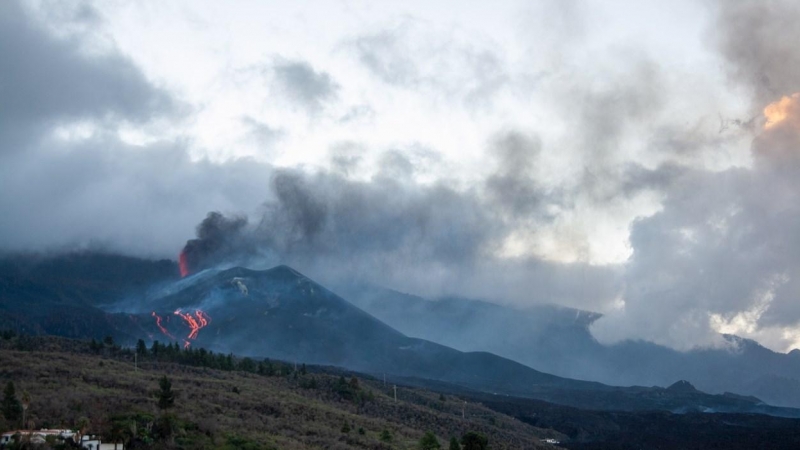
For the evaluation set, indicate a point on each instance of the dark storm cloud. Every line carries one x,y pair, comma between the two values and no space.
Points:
44,81
102,192
305,85
96,190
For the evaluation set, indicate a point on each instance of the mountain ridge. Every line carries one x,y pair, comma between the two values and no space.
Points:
281,313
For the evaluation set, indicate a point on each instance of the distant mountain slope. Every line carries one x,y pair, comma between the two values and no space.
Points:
282,314
62,295
558,340
279,313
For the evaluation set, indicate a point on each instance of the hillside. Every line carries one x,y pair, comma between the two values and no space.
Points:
239,403
281,314
558,340
234,409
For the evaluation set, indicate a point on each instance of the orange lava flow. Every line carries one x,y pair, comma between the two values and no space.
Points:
195,322
161,327
183,265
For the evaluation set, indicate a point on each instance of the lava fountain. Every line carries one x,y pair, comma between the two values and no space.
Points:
183,264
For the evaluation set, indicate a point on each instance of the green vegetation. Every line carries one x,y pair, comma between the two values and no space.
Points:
184,399
474,441
454,445
166,398
12,408
428,441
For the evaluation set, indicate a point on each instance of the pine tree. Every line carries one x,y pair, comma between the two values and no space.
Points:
12,408
26,402
454,445
474,441
166,398
429,441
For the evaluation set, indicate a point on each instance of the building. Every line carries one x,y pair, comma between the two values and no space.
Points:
94,443
35,436
40,437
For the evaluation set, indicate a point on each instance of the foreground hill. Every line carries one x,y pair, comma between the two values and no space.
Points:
282,408
231,403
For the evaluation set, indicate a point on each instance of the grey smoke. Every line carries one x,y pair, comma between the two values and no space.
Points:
758,39
431,239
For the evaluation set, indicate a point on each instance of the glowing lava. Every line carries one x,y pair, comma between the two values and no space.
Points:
779,111
160,326
195,322
183,264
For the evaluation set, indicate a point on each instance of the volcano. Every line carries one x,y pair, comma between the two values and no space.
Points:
280,313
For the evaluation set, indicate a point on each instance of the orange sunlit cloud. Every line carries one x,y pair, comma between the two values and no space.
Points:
779,111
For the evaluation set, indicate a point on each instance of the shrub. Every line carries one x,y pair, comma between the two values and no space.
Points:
429,441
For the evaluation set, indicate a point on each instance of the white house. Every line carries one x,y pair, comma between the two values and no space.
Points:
35,436
40,437
94,443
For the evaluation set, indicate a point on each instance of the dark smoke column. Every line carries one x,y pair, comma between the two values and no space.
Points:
219,238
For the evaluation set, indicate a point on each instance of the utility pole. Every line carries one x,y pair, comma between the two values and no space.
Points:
395,392
136,361
464,410
384,380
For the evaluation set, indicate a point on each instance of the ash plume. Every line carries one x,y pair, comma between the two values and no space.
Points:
217,236
432,239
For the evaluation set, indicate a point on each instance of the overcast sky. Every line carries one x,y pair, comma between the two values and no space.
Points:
611,156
